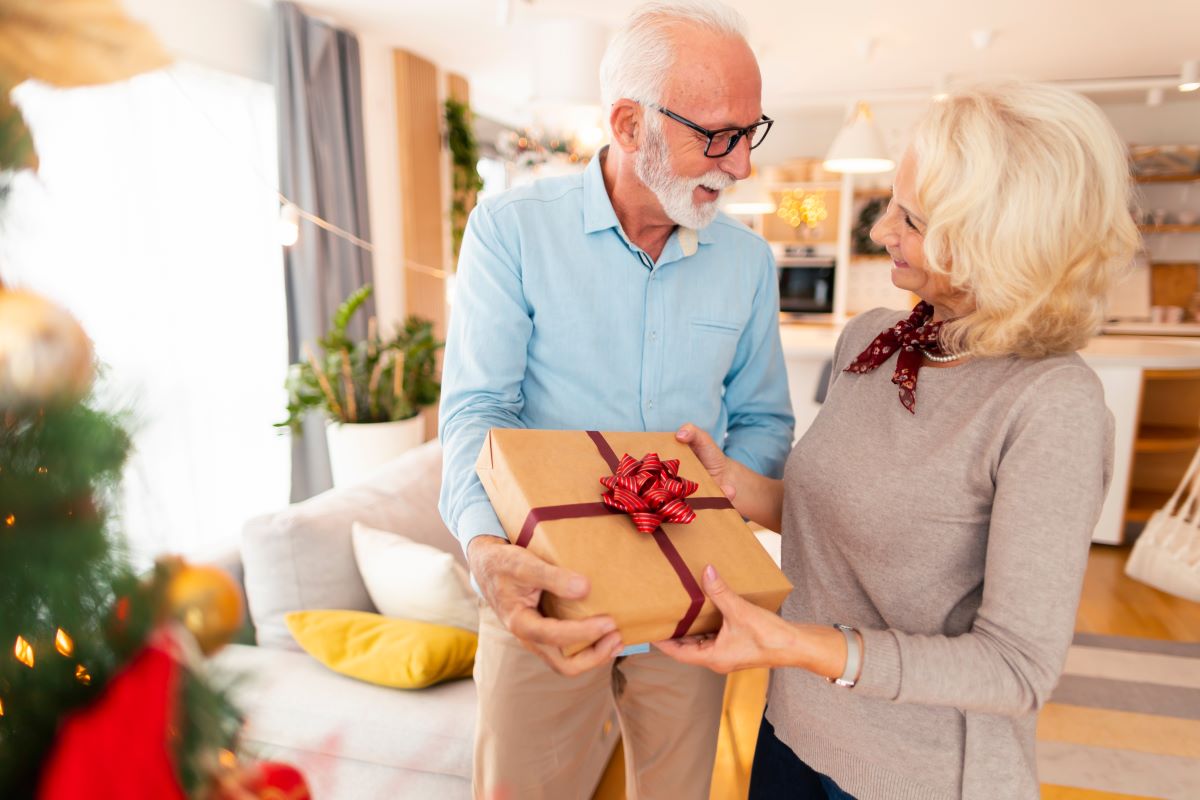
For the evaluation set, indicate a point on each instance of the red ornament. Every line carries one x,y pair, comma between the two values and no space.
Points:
275,780
119,748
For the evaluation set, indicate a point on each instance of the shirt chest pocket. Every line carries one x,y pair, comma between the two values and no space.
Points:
712,345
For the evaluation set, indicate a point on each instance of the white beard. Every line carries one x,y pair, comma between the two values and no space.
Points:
653,168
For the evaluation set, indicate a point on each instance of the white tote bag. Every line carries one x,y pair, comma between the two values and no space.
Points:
1167,554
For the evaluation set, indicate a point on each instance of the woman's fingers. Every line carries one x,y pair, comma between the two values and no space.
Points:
703,446
719,592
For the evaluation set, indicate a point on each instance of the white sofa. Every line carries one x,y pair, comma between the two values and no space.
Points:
352,740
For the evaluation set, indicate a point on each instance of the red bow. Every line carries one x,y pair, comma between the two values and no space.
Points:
650,491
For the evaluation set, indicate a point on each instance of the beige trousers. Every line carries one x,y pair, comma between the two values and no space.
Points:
538,734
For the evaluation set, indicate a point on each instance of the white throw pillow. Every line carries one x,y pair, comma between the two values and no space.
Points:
410,580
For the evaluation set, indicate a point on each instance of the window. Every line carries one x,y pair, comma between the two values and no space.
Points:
153,219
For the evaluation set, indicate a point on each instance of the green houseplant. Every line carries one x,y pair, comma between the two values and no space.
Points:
371,390
464,155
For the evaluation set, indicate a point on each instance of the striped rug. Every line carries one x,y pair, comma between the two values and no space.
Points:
1124,721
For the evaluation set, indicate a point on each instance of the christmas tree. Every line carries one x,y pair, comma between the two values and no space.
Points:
103,692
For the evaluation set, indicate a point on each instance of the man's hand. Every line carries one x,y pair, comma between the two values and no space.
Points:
512,581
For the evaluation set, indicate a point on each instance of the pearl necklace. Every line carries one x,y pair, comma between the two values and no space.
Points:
941,359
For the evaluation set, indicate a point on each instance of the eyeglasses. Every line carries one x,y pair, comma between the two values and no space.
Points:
722,141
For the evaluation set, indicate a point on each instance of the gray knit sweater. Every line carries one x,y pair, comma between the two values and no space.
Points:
955,539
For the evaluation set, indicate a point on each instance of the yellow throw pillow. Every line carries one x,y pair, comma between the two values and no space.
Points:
390,652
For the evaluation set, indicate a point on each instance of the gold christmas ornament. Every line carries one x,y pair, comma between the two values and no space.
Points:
44,354
207,601
74,42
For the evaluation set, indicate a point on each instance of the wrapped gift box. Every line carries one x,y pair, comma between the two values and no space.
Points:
546,489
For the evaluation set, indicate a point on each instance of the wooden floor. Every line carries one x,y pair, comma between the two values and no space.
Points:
1111,604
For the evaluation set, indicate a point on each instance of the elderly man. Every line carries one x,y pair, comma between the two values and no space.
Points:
618,299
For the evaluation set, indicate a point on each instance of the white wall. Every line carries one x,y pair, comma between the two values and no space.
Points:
809,132
229,35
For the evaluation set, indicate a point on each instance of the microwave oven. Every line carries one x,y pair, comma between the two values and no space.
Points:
806,286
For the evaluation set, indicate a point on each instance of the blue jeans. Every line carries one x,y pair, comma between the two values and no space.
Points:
778,773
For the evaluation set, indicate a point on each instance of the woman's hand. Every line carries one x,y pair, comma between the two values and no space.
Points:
757,498
749,637
714,460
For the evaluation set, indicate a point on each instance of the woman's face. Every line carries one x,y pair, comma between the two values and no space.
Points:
902,231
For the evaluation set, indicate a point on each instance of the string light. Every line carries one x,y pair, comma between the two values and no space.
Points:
81,675
1,707
42,470
798,207
10,520
63,643
24,652
227,759
289,224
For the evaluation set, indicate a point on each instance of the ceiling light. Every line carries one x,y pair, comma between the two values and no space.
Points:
982,38
858,147
941,88
1189,78
748,197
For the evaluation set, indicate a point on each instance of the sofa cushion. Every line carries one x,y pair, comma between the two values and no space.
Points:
293,702
302,558
410,580
397,653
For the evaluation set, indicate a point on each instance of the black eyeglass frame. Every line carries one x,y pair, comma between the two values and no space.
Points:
734,140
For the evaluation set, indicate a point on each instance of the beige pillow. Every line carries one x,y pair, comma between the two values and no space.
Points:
410,580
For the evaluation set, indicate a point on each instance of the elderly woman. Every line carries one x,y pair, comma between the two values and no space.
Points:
936,517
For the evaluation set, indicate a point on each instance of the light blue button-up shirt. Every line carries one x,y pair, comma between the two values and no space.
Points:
560,322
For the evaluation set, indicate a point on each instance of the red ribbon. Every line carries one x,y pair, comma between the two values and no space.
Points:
690,506
650,491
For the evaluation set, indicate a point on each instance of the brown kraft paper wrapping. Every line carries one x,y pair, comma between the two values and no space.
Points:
632,575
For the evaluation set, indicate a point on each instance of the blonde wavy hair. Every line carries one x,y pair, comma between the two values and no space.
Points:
1027,193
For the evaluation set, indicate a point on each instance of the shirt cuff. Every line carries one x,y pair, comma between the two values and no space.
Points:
881,666
478,520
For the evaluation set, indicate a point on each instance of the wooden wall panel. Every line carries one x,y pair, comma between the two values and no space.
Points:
422,194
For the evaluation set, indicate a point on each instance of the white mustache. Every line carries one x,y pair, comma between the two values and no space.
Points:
714,180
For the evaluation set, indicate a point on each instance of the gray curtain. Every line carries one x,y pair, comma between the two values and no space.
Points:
323,170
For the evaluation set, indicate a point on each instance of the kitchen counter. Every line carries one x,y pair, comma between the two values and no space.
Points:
815,341
1123,363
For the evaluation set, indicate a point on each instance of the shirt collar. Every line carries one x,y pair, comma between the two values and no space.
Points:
599,215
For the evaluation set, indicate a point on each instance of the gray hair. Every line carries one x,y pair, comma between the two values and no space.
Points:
640,55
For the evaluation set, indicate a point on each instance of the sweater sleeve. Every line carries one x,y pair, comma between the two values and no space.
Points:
1053,474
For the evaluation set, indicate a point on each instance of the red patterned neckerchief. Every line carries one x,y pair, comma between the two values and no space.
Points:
908,337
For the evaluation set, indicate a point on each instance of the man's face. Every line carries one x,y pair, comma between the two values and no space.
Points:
715,83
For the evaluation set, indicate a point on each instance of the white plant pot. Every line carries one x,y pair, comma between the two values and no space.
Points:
358,448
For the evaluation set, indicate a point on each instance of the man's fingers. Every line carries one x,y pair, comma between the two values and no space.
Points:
589,658
533,572
530,626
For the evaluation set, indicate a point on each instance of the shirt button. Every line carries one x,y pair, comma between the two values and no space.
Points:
653,336
649,404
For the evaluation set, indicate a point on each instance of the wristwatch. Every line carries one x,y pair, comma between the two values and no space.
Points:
853,658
